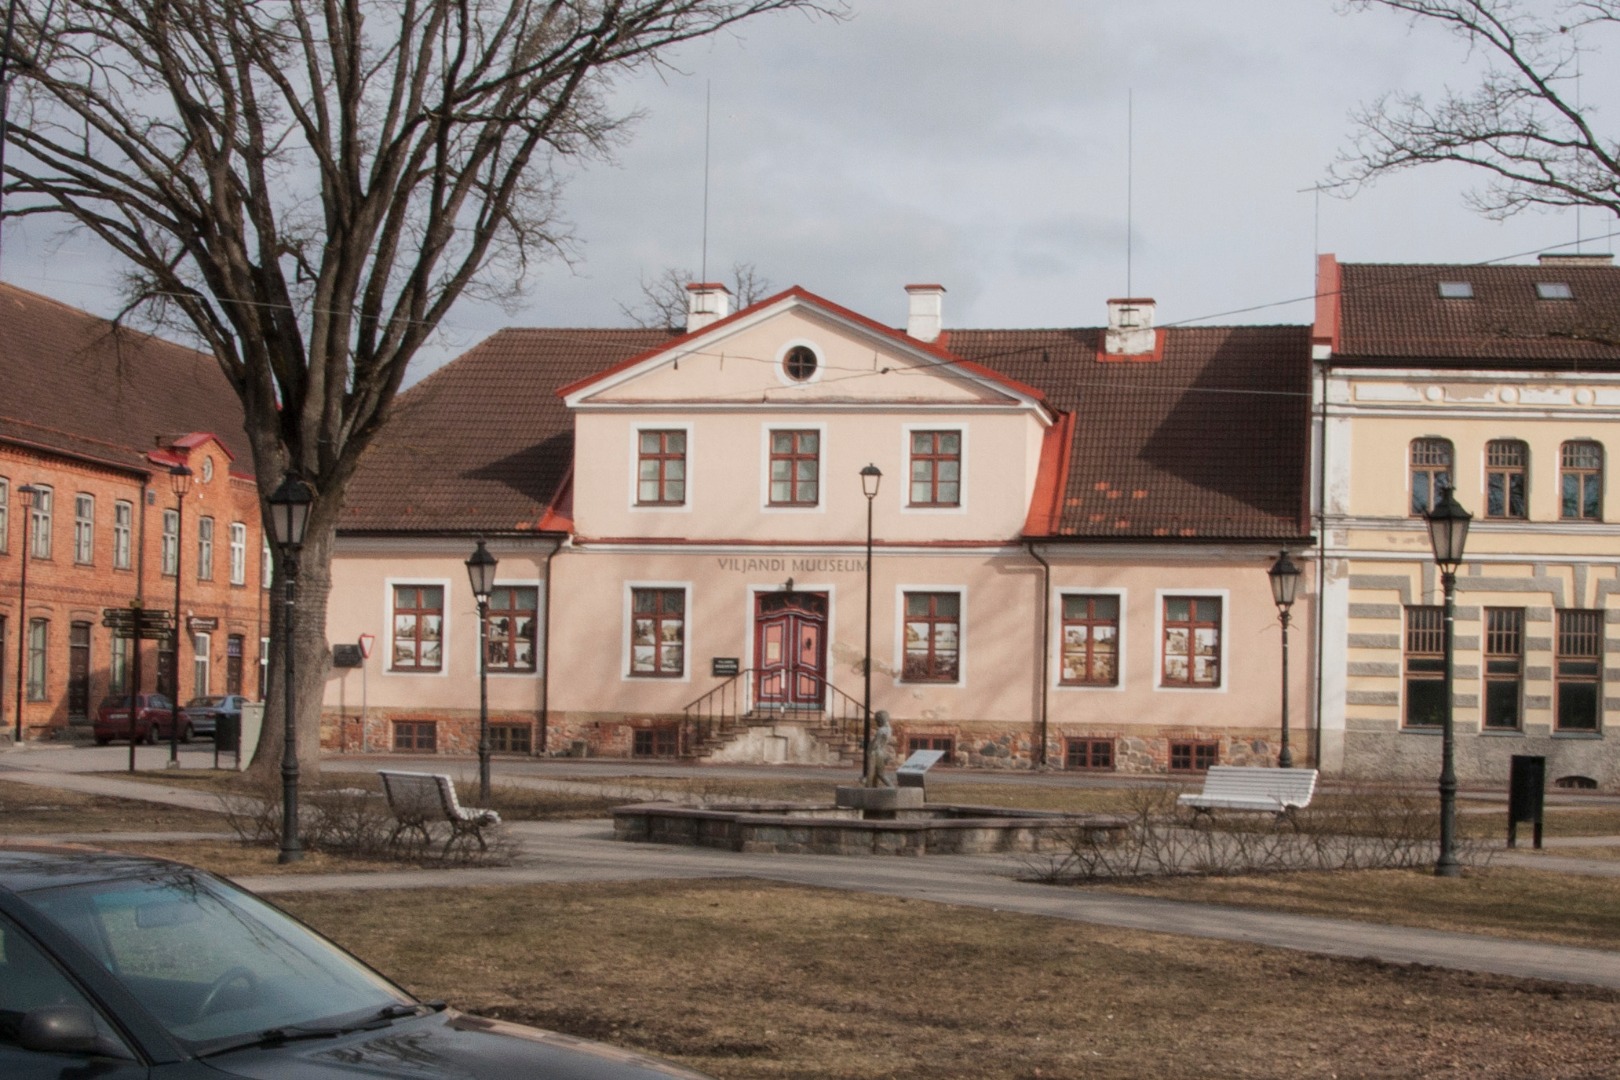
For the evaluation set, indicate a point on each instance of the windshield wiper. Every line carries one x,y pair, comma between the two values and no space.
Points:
278,1036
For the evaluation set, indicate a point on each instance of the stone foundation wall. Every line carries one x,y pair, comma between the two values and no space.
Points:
1480,760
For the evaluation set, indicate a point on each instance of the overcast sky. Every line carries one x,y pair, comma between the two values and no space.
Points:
986,147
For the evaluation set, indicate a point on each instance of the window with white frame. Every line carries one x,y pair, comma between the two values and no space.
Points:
933,637
205,549
84,528
512,625
658,632
123,532
1192,641
200,645
1090,640
418,628
171,543
661,468
238,553
795,468
38,634
936,468
118,666
40,521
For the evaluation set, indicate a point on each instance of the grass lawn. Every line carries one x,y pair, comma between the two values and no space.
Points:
746,981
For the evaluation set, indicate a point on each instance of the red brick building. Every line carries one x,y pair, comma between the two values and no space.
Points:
93,420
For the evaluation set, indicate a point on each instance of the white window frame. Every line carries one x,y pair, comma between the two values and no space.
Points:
780,367
1225,597
238,553
1056,673
169,559
39,519
627,618
787,424
201,646
123,533
267,564
638,507
205,548
446,628
539,588
906,506
84,528
899,657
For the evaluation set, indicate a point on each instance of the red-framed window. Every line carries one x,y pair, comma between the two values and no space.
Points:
936,468
418,628
1507,470
416,736
661,742
1194,755
513,611
511,738
933,629
1089,755
1192,641
795,468
1090,641
658,633
661,468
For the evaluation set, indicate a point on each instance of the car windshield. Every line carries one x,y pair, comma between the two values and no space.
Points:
206,702
216,966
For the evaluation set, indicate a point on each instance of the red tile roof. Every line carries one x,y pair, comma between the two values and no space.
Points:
74,384
1394,316
1209,443
484,443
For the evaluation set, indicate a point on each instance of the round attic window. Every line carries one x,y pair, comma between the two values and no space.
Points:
799,363
208,469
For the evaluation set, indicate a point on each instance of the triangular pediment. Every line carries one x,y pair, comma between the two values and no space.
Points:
798,349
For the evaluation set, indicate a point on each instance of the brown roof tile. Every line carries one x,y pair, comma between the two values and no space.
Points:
1208,443
1394,315
75,384
483,443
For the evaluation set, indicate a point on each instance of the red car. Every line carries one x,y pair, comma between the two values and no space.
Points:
154,716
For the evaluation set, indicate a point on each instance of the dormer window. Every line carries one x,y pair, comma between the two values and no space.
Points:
1554,290
1456,290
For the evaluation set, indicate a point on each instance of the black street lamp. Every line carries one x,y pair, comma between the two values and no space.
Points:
871,477
289,517
481,572
27,491
1448,531
1284,584
179,483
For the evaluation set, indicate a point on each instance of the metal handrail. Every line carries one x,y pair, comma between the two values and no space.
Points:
731,700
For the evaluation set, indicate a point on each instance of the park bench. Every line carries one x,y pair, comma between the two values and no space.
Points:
1237,787
420,800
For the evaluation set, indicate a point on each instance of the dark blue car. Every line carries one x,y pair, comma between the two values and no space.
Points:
121,967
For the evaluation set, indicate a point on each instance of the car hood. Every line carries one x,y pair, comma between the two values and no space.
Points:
448,1046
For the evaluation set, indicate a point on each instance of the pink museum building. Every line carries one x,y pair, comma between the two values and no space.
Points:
1070,532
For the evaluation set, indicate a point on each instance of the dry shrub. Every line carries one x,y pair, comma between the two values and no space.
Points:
354,822
1351,829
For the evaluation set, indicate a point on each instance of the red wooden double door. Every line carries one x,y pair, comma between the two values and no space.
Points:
790,649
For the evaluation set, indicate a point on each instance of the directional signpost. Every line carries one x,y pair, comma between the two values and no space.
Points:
139,624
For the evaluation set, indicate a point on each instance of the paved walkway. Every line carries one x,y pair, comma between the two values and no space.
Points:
578,851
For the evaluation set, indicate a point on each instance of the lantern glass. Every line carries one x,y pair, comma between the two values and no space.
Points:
179,480
1448,531
1284,576
289,511
481,572
871,477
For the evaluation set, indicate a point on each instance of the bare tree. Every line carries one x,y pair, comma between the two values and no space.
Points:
663,299
309,186
1523,123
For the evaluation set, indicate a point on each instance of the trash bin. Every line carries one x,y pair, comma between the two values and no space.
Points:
227,736
1527,791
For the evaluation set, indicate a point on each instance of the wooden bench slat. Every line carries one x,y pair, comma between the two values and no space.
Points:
1238,787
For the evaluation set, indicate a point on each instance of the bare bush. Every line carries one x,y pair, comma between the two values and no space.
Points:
1356,829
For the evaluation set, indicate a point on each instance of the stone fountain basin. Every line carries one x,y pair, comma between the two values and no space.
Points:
795,828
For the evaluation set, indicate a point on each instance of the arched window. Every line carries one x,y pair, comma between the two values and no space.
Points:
1507,469
1580,481
1431,472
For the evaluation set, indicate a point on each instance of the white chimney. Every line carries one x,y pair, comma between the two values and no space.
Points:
1130,327
926,317
706,303
1548,258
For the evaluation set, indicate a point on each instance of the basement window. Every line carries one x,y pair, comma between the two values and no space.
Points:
1456,290
1554,290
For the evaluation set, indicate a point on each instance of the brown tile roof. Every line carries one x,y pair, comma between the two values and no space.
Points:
74,384
1208,443
1393,315
483,444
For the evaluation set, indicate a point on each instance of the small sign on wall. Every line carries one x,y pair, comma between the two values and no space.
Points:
346,656
725,665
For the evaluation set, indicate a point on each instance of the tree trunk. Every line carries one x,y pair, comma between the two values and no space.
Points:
311,655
